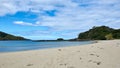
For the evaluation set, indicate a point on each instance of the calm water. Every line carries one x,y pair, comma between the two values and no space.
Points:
9,46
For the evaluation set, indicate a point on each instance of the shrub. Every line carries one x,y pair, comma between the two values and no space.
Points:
109,36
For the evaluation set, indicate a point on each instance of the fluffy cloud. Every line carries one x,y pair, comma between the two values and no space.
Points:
22,23
26,23
68,15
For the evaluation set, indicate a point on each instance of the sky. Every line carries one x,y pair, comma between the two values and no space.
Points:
52,19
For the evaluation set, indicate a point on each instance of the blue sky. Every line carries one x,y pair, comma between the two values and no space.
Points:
52,19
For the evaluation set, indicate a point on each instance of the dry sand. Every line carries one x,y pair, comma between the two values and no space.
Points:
104,54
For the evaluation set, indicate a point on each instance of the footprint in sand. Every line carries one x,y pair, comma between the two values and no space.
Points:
97,62
29,64
90,61
80,58
70,67
63,64
91,54
100,47
118,44
59,49
94,55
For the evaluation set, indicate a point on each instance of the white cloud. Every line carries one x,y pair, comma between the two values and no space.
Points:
70,15
23,23
26,23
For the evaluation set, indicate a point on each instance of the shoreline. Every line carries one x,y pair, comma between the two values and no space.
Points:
104,54
90,42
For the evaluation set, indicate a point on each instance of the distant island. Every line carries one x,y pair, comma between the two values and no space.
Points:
5,36
96,33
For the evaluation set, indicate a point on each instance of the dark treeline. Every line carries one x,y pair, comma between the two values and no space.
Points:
100,33
5,36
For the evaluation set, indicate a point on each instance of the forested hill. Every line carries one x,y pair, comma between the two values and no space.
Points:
100,33
5,36
96,33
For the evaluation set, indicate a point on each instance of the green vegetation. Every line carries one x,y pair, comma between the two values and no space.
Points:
96,33
116,34
109,36
60,39
100,33
5,36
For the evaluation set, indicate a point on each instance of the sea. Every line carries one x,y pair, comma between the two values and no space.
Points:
13,46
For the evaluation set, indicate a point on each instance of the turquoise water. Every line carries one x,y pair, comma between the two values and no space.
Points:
10,46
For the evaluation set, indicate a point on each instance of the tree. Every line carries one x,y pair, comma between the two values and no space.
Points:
109,36
99,33
60,39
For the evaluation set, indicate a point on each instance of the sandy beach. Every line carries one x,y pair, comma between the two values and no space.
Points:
104,54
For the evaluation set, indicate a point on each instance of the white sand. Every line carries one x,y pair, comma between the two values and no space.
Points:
104,54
